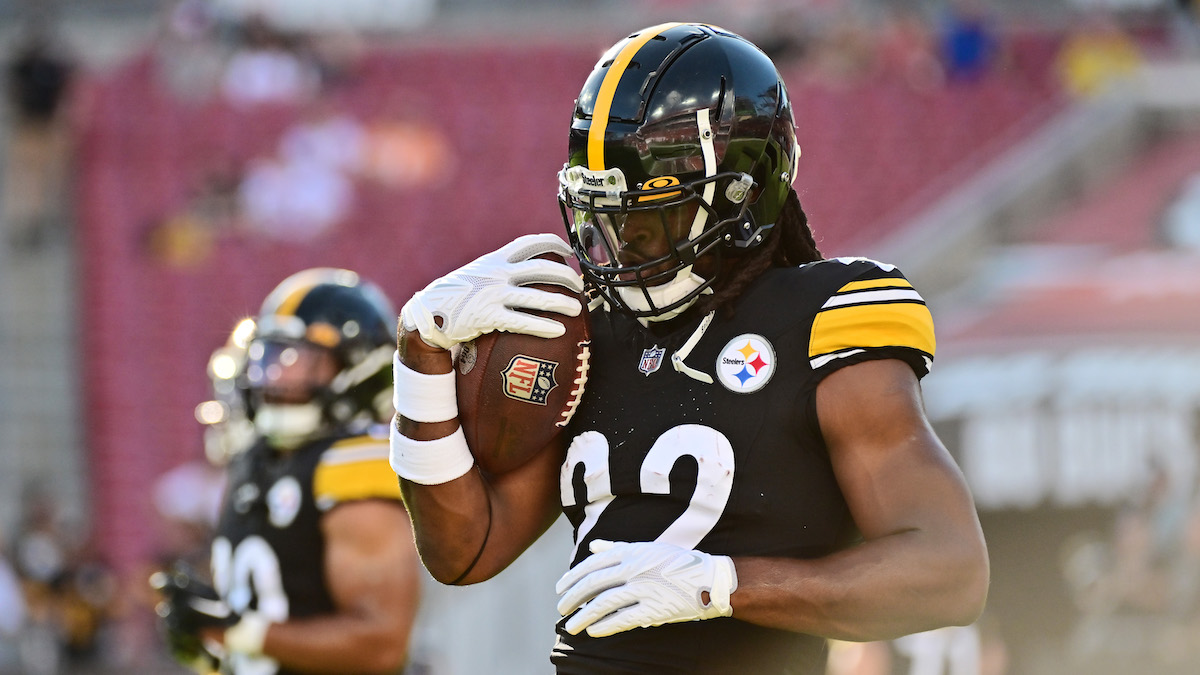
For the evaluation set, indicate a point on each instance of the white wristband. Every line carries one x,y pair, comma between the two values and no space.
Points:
248,635
421,397
430,462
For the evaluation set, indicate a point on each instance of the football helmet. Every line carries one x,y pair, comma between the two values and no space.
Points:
320,358
227,428
678,118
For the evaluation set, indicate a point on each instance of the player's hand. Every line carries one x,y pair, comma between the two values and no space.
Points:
188,606
625,585
483,296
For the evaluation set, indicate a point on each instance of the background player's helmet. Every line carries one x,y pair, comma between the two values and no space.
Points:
227,427
673,116
321,357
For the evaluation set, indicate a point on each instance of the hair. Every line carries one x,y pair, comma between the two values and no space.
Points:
791,244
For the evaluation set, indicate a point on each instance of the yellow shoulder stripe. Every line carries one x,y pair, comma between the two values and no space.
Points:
897,324
353,469
888,282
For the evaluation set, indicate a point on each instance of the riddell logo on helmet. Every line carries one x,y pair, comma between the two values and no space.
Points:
529,379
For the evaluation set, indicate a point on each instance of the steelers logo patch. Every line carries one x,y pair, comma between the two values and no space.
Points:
283,501
746,363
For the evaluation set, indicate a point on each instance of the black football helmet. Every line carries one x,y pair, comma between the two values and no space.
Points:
675,116
321,357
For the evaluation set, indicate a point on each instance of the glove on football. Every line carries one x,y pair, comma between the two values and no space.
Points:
483,296
627,585
188,605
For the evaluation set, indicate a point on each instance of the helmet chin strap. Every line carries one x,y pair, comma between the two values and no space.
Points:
287,426
685,281
663,295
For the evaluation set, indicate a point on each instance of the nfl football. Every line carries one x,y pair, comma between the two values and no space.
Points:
517,392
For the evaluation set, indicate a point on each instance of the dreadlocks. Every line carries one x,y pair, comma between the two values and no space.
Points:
793,244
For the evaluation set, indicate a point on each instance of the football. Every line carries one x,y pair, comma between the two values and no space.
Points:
517,392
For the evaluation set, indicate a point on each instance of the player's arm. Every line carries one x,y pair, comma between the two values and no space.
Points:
469,526
472,527
372,573
922,562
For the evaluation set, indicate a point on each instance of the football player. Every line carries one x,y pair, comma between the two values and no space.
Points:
750,471
313,564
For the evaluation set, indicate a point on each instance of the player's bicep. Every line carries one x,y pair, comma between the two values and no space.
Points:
894,472
371,566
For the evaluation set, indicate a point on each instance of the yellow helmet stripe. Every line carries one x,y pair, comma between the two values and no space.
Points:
301,284
292,301
608,88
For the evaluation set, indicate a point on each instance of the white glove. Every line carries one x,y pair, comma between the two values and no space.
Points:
482,296
627,585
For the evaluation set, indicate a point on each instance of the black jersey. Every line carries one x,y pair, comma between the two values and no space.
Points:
269,552
723,453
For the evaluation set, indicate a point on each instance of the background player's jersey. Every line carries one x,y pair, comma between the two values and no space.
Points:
732,467
269,552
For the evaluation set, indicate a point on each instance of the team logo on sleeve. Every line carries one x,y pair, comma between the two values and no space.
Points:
283,501
529,379
746,363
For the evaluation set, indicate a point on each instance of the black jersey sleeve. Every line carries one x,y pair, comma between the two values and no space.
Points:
873,312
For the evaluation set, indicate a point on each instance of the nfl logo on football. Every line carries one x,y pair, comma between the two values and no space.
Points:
529,379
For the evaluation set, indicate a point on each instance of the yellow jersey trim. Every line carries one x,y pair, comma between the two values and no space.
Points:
898,324
353,469
887,282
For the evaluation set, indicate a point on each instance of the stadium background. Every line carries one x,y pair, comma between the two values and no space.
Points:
1036,178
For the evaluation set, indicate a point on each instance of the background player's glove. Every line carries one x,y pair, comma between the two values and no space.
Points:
481,296
627,585
187,606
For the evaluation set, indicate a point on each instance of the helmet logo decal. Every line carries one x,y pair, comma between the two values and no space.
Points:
651,359
657,183
283,501
529,379
608,88
323,334
746,363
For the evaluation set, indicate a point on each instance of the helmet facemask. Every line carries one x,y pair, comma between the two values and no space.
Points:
288,381
661,287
